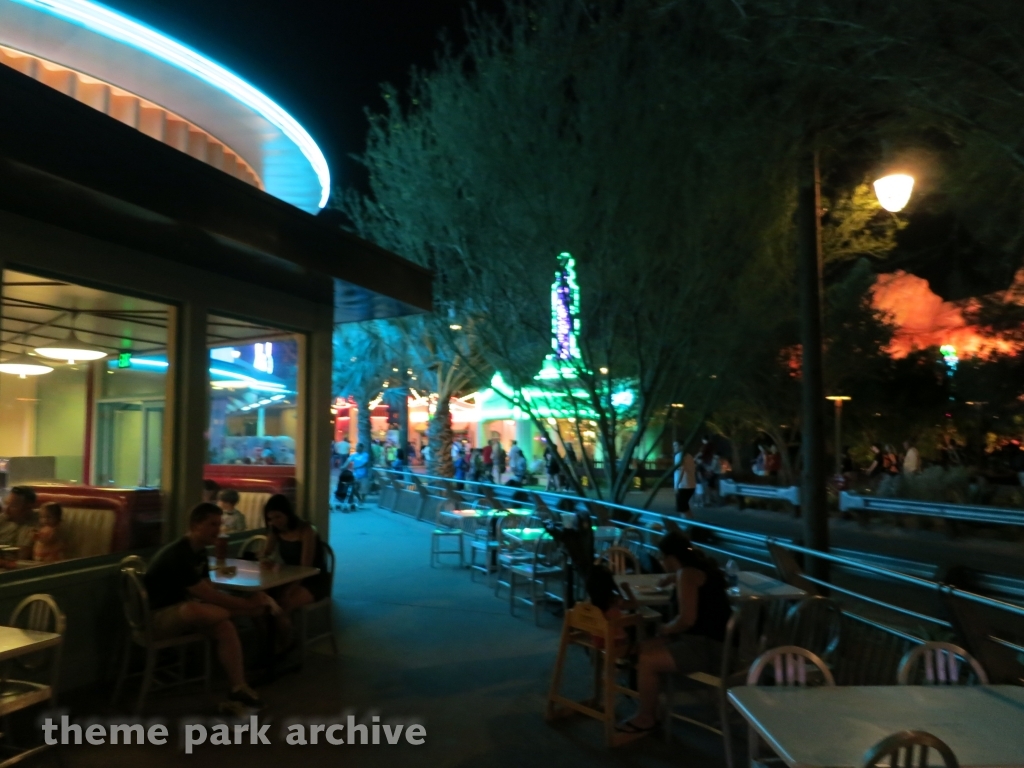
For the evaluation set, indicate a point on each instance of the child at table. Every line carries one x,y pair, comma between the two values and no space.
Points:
49,539
232,521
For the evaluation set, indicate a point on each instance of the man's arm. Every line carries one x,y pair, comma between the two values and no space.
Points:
241,606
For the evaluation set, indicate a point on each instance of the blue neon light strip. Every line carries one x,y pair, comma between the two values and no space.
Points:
110,23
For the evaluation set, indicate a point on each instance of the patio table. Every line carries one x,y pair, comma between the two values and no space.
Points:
252,577
832,727
751,584
20,642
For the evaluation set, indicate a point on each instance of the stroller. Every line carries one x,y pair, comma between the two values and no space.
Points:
347,492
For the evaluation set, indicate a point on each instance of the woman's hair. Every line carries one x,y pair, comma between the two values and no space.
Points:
54,510
601,587
675,544
279,503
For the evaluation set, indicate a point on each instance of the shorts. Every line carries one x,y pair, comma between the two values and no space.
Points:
696,653
167,622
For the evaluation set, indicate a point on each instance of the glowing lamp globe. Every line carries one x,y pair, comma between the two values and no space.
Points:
71,350
23,366
893,191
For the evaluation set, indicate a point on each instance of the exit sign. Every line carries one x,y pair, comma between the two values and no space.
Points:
124,360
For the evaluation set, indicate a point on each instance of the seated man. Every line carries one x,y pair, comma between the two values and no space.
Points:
17,521
183,599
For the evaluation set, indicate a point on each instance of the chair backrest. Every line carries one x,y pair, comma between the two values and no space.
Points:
898,750
937,663
134,561
620,560
749,632
134,601
328,559
42,614
546,552
254,545
815,623
251,504
790,665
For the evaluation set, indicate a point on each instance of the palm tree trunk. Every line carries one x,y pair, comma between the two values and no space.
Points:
365,427
440,435
403,422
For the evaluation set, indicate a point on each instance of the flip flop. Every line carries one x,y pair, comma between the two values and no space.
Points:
629,727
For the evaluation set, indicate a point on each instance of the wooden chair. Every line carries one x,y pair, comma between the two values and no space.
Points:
135,604
898,750
324,607
251,549
815,623
619,560
583,624
546,565
937,663
789,663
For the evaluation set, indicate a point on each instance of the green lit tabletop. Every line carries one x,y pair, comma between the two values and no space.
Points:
523,535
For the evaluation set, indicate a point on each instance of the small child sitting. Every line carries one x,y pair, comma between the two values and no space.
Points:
605,595
49,540
232,521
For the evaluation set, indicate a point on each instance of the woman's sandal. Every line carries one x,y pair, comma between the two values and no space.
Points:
629,727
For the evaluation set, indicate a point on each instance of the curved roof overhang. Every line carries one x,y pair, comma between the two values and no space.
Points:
113,48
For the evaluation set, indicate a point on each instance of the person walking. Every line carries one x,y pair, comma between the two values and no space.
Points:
684,478
359,464
486,455
911,459
499,461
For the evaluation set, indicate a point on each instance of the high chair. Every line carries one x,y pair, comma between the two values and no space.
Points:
582,624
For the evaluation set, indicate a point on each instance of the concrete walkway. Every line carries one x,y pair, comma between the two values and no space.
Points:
417,645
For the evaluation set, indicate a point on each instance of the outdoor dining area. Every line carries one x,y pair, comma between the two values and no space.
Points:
796,678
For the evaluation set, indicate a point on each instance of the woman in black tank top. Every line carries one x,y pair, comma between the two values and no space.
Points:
298,544
691,641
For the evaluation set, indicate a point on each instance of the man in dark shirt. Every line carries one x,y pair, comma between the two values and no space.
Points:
182,598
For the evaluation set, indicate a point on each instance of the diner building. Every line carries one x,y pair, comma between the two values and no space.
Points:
168,299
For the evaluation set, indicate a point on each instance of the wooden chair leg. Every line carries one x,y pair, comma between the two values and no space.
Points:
147,680
556,675
123,671
609,696
207,666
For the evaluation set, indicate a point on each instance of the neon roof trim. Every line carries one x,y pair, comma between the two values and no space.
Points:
116,26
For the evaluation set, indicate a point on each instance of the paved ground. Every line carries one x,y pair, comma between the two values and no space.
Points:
417,645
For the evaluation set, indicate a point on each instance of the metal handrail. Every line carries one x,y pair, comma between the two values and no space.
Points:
763,540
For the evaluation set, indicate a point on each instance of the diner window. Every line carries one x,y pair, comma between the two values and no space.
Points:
254,413
83,377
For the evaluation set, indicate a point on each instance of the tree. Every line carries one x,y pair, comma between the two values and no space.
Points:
364,354
619,136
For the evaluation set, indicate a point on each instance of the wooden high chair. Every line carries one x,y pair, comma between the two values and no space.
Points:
582,624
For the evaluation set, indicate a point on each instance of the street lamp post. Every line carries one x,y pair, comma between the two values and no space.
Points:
893,192
839,400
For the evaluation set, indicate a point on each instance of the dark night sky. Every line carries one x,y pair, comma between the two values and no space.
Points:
322,61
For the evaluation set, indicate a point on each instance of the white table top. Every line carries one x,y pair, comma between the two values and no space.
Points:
251,577
751,584
834,726
19,642
754,584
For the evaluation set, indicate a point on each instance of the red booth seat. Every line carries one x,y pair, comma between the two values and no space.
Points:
138,512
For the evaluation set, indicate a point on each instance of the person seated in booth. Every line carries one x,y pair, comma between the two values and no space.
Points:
182,599
232,521
49,539
691,642
210,491
17,521
295,541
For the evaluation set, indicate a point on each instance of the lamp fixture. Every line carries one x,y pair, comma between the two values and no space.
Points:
893,191
71,350
23,366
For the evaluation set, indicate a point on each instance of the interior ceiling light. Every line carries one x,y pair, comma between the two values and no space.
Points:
71,350
23,366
